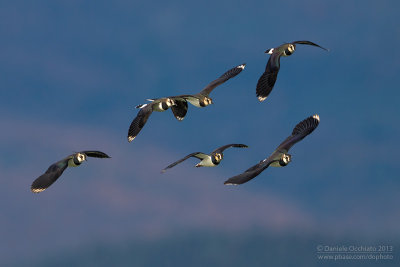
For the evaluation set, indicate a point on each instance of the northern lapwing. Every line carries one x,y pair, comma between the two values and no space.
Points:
202,99
267,80
56,169
159,105
280,157
207,160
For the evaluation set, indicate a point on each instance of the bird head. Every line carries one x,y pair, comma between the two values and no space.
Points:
208,101
290,49
80,157
218,157
285,159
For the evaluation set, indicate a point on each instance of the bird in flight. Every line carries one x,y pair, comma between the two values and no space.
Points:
159,105
202,99
280,157
207,160
55,170
267,80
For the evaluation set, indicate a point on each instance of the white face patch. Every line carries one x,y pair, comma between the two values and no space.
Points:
207,101
81,157
270,51
286,159
291,48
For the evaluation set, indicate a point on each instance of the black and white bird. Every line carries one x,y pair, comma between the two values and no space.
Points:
280,157
202,99
56,169
267,80
207,160
159,105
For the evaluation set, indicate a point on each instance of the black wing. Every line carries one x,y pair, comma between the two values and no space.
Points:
267,80
223,78
140,120
198,155
95,154
309,43
180,109
50,176
301,130
249,173
222,148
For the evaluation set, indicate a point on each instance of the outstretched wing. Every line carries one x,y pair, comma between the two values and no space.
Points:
249,173
198,155
140,120
223,78
95,154
309,43
180,109
222,148
50,176
267,80
301,130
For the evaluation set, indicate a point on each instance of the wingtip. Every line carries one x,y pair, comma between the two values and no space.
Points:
228,183
131,138
262,98
37,190
242,66
162,171
316,116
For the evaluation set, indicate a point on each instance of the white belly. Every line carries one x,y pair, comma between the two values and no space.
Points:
206,162
275,164
194,101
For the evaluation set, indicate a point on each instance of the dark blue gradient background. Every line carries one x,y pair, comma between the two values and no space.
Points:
73,71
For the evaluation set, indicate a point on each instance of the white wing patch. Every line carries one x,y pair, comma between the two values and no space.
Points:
141,106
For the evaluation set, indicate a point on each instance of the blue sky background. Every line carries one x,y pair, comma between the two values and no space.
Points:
73,71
